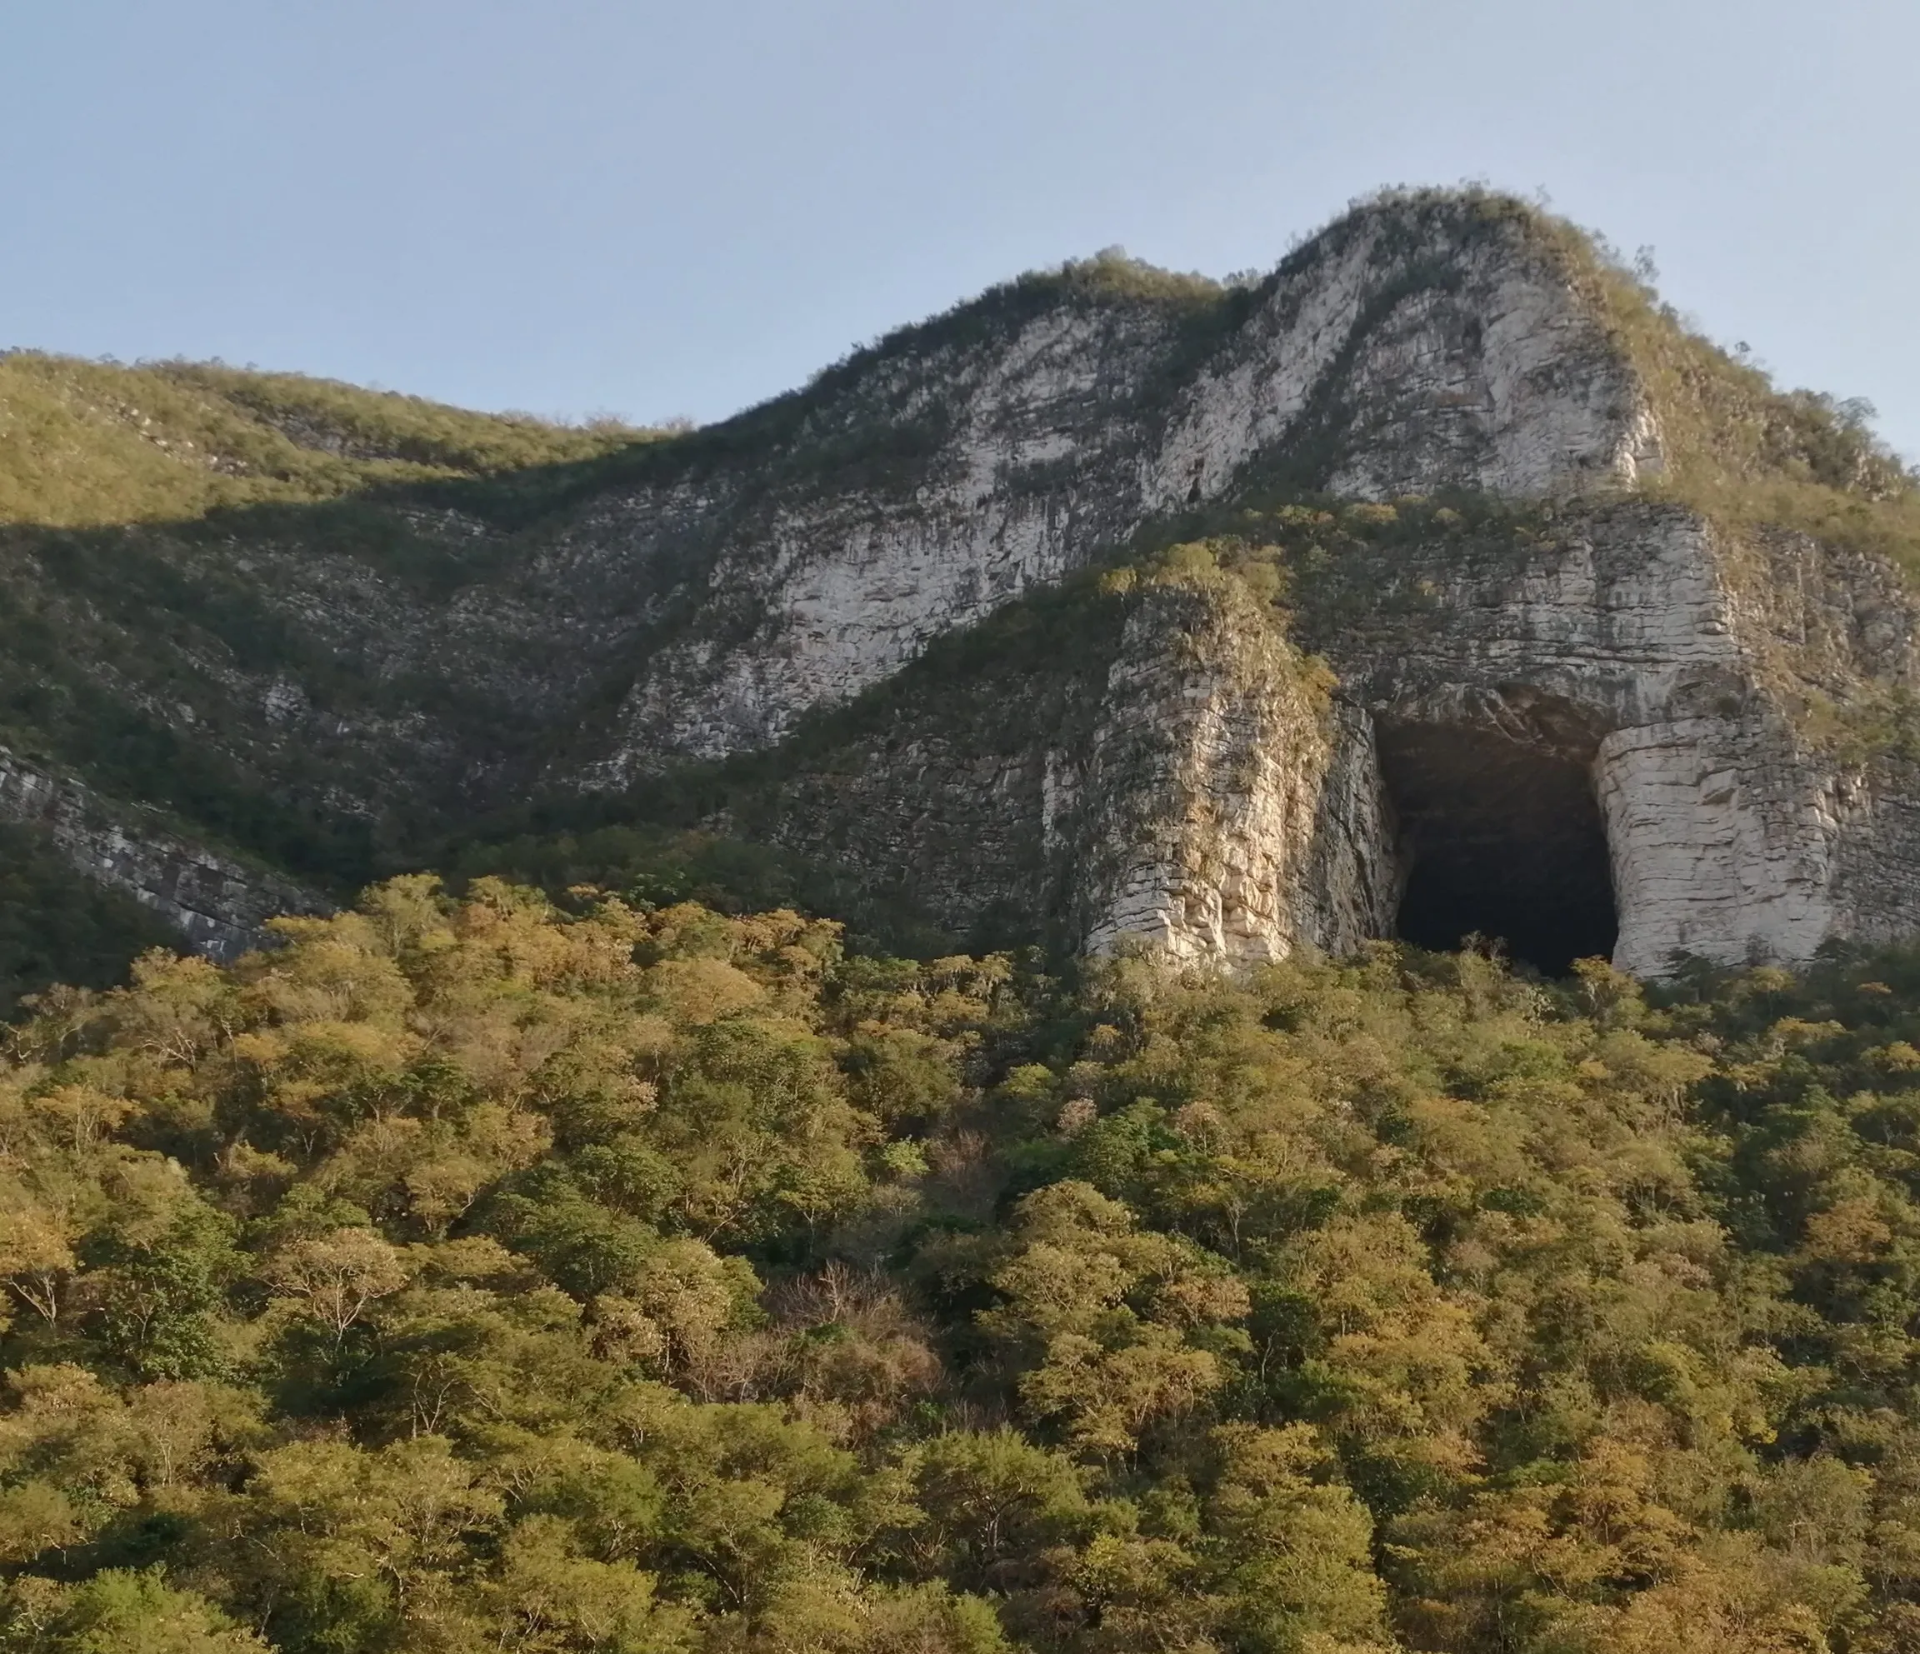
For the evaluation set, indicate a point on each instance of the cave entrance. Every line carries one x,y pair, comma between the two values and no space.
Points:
1501,838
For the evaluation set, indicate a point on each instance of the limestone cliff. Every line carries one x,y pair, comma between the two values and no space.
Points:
1634,680
1142,760
1401,352
1672,663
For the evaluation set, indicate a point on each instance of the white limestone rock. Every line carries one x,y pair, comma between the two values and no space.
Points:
1384,360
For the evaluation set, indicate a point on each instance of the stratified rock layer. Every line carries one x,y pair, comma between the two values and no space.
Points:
1675,664
1396,356
218,903
1200,788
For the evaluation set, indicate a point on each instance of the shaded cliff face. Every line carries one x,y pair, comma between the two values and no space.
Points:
216,902
873,616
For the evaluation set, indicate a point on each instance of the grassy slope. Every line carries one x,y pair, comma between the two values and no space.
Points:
84,444
99,463
1738,447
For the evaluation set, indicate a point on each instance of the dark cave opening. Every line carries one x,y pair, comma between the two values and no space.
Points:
1501,839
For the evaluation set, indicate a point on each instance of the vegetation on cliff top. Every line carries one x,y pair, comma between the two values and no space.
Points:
92,443
480,1274
1735,445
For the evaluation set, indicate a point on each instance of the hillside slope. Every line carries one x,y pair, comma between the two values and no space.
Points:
1142,1225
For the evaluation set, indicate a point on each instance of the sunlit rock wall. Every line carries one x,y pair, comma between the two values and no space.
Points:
1721,690
1392,356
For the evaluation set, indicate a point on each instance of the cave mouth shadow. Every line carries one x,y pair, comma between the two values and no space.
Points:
1502,839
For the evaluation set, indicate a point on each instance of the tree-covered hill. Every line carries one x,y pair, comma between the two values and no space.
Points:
486,1275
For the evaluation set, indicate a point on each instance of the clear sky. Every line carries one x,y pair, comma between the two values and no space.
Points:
578,206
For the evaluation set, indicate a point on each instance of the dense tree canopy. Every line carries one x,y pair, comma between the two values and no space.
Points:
487,1274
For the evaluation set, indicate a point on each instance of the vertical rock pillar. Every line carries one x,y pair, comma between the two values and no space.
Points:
1719,847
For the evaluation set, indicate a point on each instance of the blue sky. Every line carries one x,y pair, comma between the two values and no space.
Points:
576,207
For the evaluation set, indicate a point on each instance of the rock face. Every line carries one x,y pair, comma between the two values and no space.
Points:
876,606
1159,765
1394,356
1673,666
217,903
1603,736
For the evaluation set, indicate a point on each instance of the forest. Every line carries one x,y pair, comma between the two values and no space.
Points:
515,1273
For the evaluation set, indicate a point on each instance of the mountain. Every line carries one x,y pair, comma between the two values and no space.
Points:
1440,581
972,1013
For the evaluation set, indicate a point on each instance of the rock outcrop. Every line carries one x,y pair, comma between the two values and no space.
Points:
1398,354
1617,714
218,903
1674,664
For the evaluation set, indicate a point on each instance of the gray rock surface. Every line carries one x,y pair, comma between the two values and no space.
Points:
217,903
1675,664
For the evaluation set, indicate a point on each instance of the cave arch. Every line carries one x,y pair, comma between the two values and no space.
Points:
1500,837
